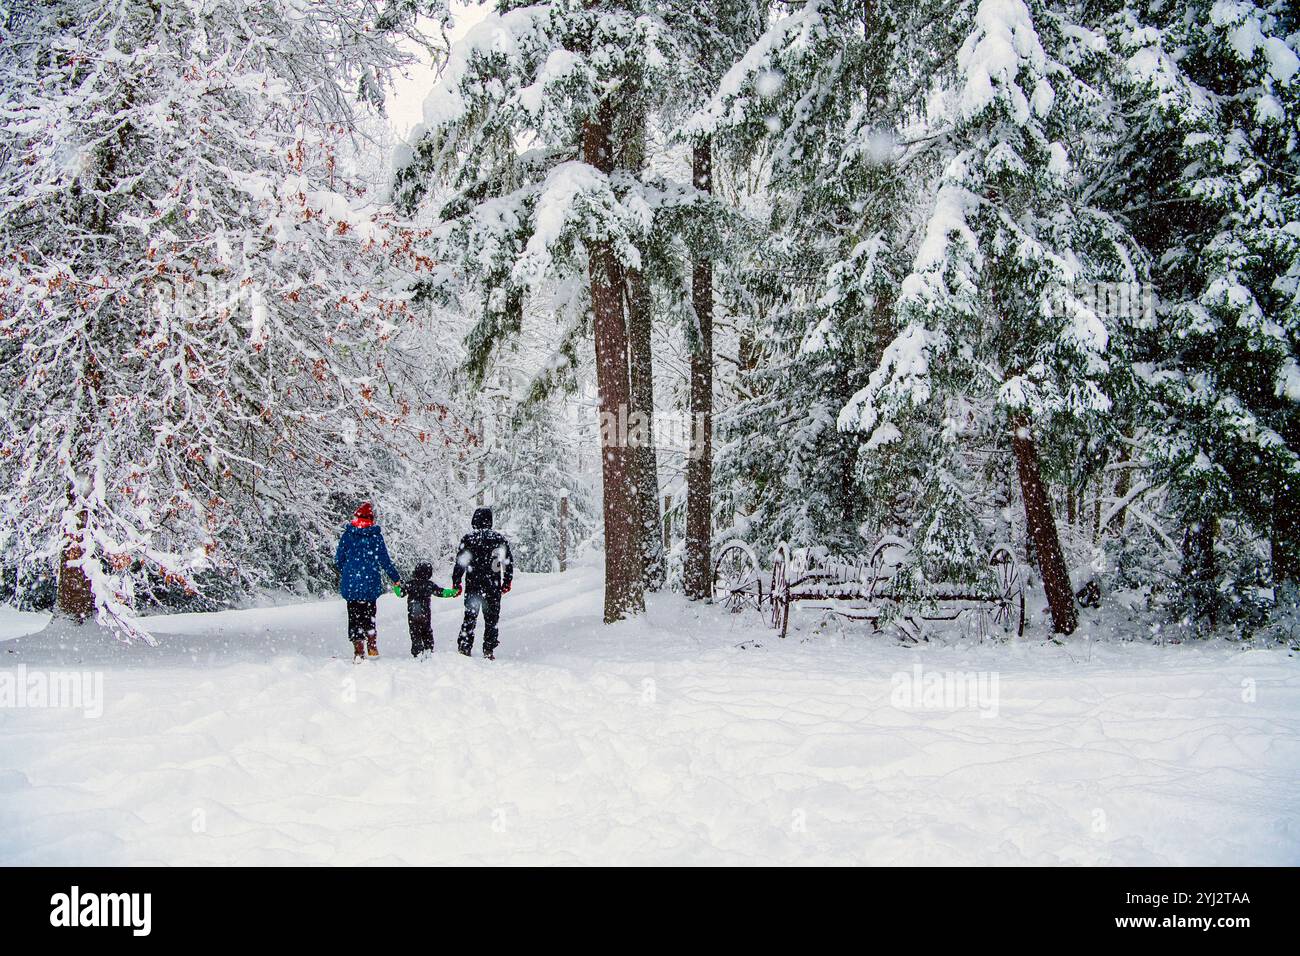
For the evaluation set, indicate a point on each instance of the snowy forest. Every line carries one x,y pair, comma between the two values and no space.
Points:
651,277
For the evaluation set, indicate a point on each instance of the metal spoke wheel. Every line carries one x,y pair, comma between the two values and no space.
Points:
777,583
737,582
884,561
1010,609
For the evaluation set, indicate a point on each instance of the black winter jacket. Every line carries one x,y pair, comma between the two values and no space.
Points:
484,559
420,589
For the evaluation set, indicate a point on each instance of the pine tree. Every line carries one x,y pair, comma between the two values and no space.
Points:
994,310
1204,172
571,80
811,106
987,338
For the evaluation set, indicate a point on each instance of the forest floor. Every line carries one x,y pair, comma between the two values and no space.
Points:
686,736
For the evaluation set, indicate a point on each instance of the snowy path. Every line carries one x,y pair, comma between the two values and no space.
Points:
658,741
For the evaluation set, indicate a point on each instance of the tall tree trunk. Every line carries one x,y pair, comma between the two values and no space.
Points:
1122,487
1284,543
76,599
640,310
624,581
1284,535
564,533
75,595
640,324
1096,507
1042,530
699,466
1201,568
667,524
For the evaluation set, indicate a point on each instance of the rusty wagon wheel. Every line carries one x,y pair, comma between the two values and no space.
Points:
777,583
885,558
737,581
1010,590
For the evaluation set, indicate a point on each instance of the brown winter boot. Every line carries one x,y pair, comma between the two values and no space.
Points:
372,648
359,650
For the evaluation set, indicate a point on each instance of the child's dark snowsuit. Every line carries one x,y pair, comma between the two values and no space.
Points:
419,591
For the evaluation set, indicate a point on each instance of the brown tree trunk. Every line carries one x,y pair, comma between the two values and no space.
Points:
1284,535
1096,507
640,319
1201,568
699,466
564,533
1042,531
76,596
624,580
640,322
667,524
76,599
1122,487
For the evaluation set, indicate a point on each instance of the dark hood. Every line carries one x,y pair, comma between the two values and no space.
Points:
482,518
423,572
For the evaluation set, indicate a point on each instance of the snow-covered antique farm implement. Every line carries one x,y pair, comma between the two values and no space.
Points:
869,588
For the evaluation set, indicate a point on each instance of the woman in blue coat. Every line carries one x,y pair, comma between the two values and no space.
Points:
360,558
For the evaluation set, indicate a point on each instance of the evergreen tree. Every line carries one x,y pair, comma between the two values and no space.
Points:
570,80
1205,173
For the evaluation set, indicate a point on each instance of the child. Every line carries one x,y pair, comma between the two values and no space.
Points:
418,591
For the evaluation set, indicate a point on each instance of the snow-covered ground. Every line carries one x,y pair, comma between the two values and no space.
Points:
242,740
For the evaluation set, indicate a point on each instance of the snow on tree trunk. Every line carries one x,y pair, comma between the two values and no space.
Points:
76,597
624,580
1042,531
699,468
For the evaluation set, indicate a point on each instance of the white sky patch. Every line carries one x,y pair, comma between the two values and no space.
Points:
406,100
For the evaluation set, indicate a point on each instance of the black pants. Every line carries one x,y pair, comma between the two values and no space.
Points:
361,622
490,605
421,634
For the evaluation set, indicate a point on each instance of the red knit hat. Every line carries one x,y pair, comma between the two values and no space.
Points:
364,516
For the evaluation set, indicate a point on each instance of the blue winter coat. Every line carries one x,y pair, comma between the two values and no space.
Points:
360,557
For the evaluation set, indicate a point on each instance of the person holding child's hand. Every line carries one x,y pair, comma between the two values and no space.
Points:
487,568
360,558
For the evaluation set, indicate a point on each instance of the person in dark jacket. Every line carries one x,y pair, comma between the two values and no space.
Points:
360,558
487,568
419,592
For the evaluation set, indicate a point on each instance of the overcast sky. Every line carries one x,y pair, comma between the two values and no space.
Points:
405,105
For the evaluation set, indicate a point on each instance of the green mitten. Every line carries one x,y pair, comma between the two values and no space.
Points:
397,589
448,592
